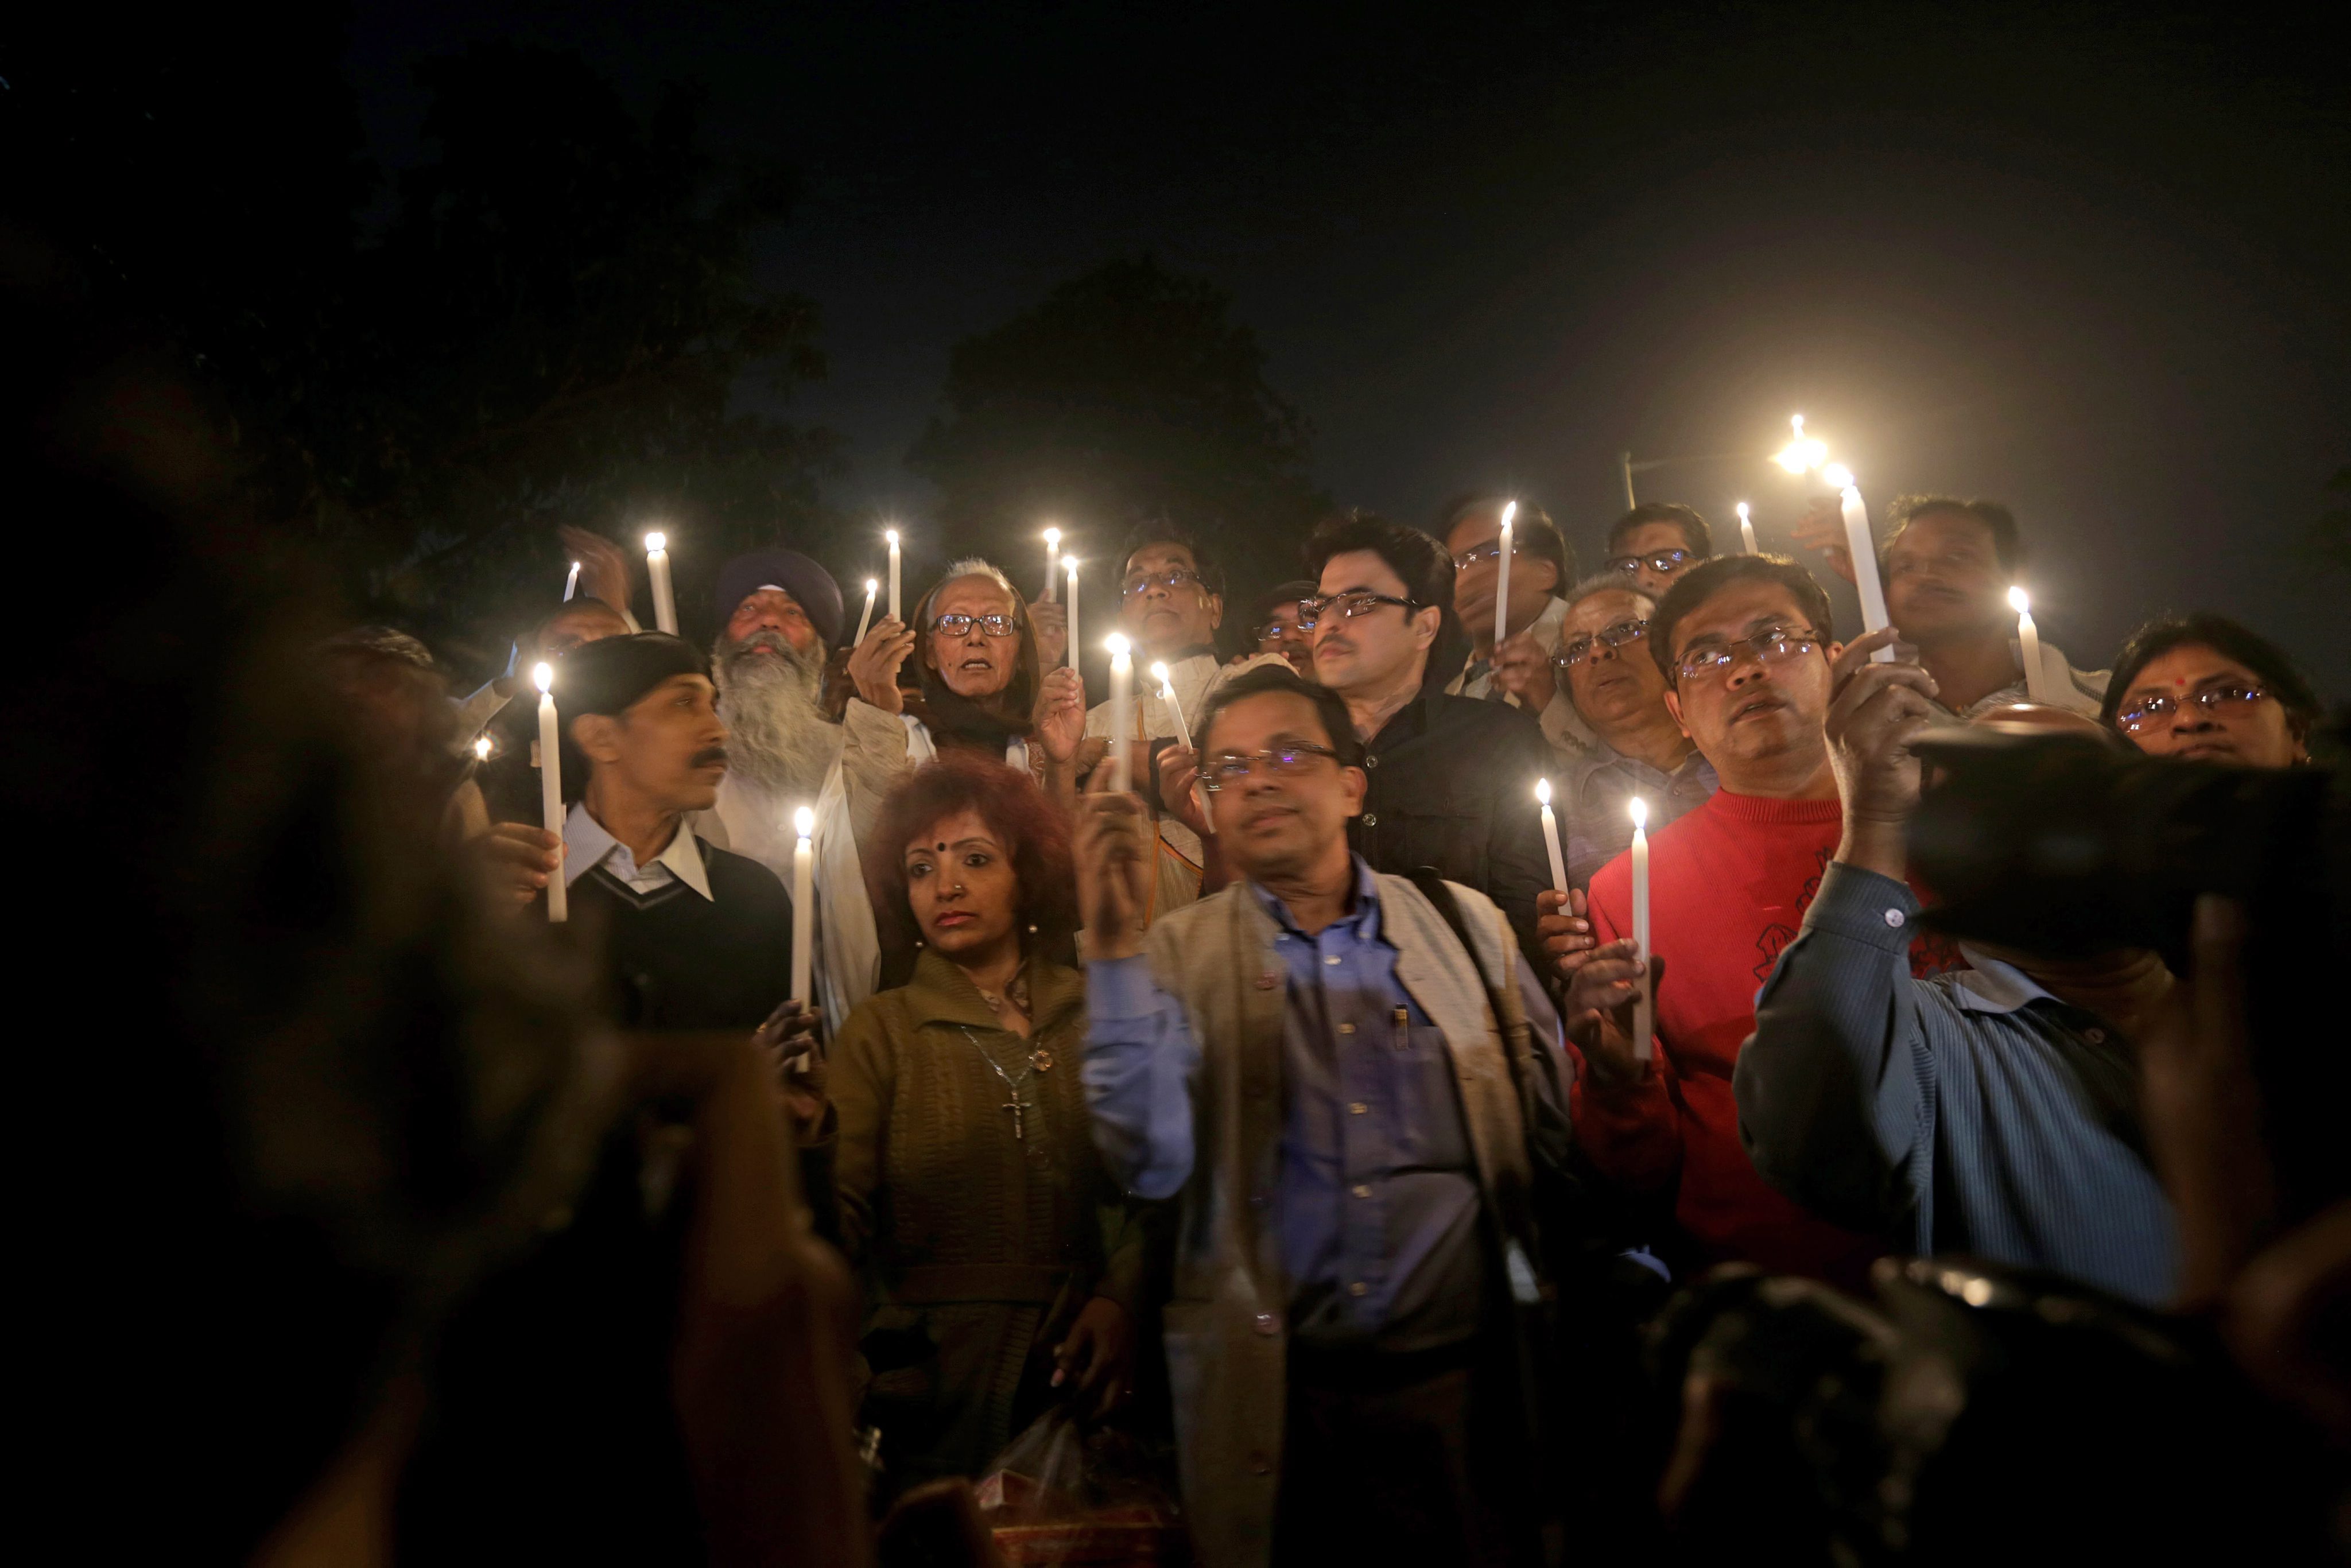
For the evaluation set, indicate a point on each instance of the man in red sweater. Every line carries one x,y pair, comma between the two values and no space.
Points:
1745,644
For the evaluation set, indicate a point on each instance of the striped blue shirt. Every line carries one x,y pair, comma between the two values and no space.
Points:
1971,1112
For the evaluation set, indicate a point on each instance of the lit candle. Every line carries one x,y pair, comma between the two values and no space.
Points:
1747,529
2028,637
1052,561
866,614
1550,836
803,902
657,568
572,583
1645,1002
892,537
1183,730
1502,580
550,784
1070,566
1121,701
481,748
1865,554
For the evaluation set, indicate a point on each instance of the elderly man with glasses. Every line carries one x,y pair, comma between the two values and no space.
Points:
1744,643
1603,666
1324,1068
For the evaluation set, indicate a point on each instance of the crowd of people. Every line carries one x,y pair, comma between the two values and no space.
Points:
1302,1113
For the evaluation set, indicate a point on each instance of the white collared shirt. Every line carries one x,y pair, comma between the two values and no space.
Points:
586,845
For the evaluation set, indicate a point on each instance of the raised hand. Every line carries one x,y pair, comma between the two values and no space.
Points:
1522,668
1179,769
1600,1011
1821,528
1051,623
873,664
1061,716
1113,845
1874,712
515,860
606,571
789,1038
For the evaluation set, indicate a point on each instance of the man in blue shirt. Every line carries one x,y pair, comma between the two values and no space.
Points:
1991,1110
1309,1060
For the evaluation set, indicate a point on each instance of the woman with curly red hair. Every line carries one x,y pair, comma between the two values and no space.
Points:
1001,1262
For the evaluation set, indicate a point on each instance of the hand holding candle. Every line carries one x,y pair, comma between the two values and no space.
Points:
550,784
803,904
1122,712
1183,733
657,568
895,613
1052,561
1550,836
2028,640
1502,578
1645,1003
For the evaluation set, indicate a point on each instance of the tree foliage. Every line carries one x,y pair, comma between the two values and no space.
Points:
1129,390
551,320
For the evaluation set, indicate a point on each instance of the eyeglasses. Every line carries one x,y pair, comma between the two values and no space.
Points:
1575,650
1283,761
961,625
1477,553
1349,605
2148,712
1771,646
1275,630
1173,578
1659,562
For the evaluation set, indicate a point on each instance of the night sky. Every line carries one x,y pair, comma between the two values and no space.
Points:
2092,261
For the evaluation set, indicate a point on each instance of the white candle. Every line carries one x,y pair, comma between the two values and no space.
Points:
1644,1004
1121,699
866,614
1052,561
1550,836
550,784
572,583
803,902
1070,566
1183,731
1865,554
1747,529
2028,637
1502,580
892,537
657,568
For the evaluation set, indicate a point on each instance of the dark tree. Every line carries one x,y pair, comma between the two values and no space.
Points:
1128,390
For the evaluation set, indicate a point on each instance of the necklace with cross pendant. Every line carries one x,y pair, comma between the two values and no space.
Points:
1012,1086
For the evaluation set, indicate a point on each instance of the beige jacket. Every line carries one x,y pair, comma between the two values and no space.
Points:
1227,1319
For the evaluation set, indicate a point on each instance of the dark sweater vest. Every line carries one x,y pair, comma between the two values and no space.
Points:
678,960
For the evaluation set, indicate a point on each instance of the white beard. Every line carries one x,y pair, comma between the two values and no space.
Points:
775,736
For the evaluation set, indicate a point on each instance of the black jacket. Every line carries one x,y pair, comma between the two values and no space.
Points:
1452,785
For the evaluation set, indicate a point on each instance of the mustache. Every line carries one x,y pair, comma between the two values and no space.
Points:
708,756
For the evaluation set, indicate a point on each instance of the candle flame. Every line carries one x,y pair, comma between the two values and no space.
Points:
890,535
2020,600
575,566
1070,564
804,822
544,676
655,542
1838,476
1052,535
1640,810
1509,513
1542,791
1803,452
1743,511
482,748
872,586
1117,644
1159,672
